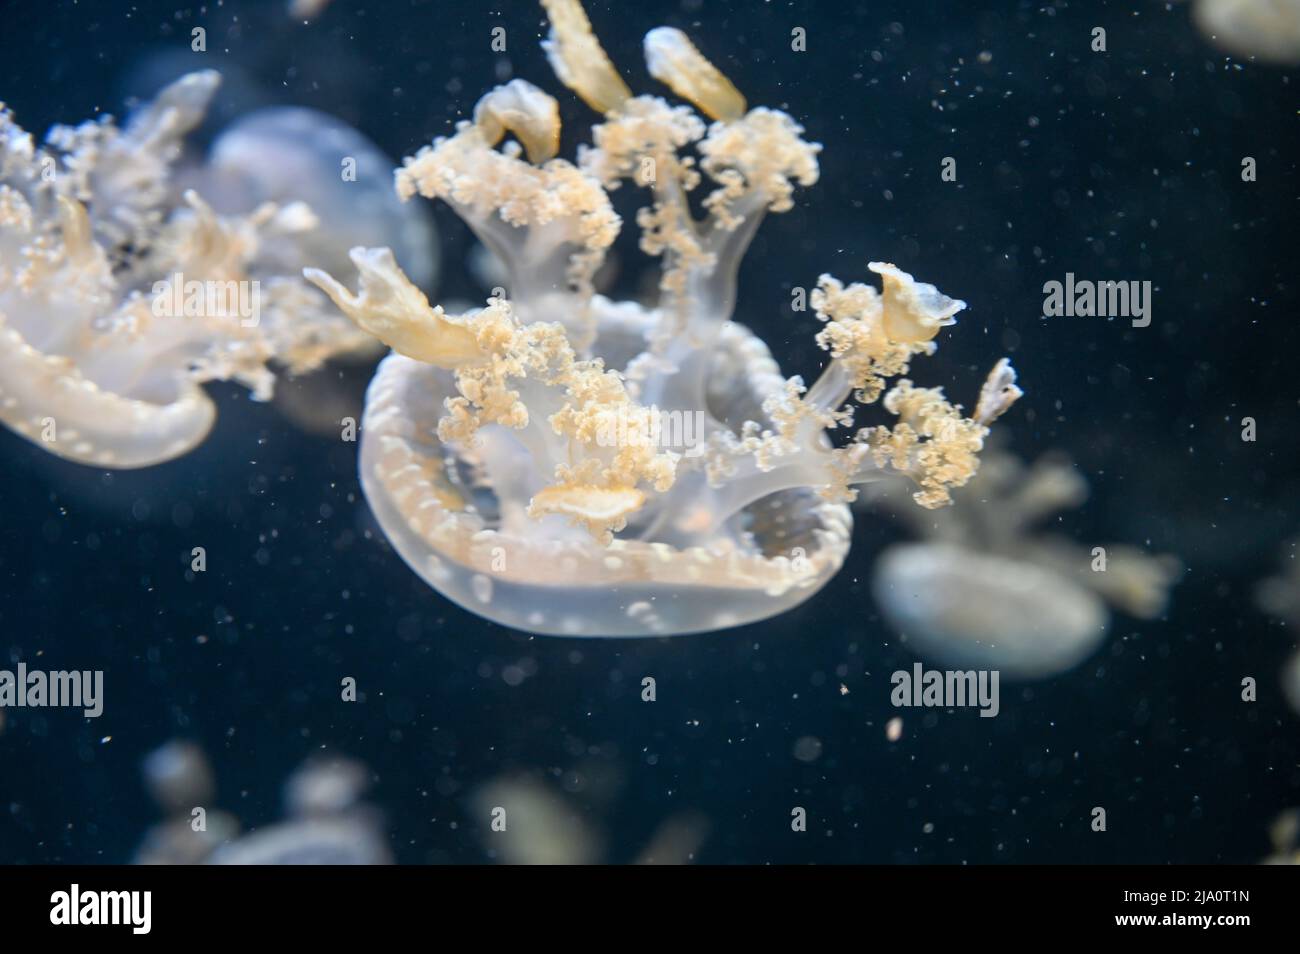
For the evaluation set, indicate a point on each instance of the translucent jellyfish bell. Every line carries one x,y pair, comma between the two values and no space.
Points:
1267,29
988,590
459,519
969,610
288,154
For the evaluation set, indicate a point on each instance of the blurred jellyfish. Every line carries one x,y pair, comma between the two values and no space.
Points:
286,154
121,292
179,778
327,824
349,840
986,591
289,154
527,822
534,825
676,841
1267,29
307,9
1284,835
1279,596
326,787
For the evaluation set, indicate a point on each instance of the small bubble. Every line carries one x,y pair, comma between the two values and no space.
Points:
808,749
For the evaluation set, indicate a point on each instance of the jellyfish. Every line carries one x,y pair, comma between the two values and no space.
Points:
1267,29
327,821
328,824
985,591
528,821
179,777
286,154
564,463
540,826
1279,596
119,298
1284,835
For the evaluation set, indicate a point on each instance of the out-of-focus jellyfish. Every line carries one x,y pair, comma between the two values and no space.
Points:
1267,29
1284,835
564,463
327,825
307,9
286,154
1280,596
117,300
985,590
540,827
179,777
527,822
676,841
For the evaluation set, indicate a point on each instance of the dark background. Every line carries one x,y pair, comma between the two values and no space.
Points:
1122,165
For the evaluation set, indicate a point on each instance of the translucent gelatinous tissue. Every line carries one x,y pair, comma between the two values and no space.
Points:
286,154
564,463
1279,596
1267,29
986,590
327,822
120,293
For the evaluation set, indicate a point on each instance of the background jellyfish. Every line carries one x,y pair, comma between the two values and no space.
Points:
986,590
101,246
528,822
327,821
1284,835
1268,29
285,154
515,455
179,778
1279,596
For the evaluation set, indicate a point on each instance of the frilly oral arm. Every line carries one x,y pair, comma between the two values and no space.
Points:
674,61
390,307
872,336
523,377
754,158
933,444
550,224
578,59
522,109
998,393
